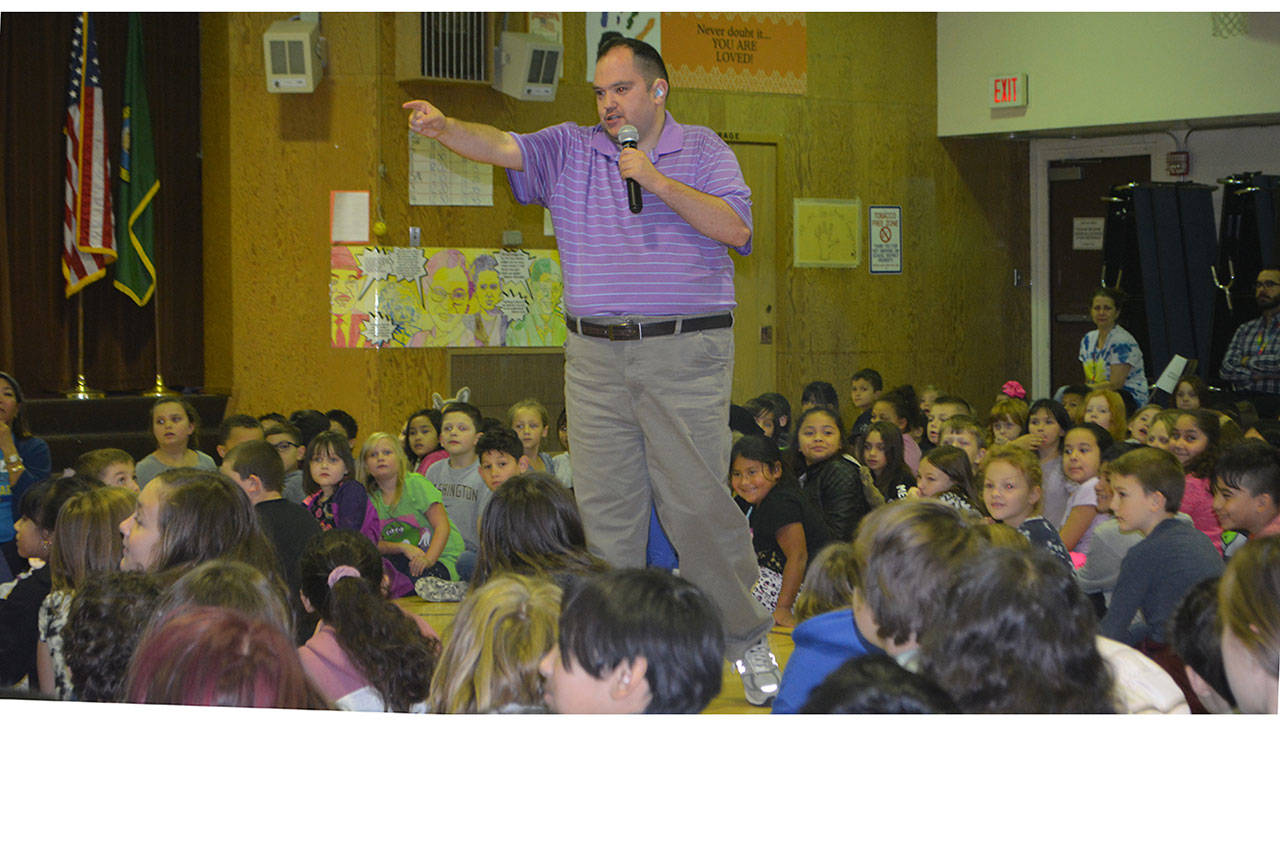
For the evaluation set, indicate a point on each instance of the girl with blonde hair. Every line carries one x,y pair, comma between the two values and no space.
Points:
490,660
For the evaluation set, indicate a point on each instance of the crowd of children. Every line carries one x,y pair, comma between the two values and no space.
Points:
1060,555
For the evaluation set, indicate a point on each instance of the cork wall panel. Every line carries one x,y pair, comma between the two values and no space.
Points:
215,140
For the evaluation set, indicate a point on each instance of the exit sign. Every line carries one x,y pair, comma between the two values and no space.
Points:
1008,90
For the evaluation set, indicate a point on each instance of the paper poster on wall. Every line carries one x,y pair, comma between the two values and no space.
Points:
437,176
884,236
1086,233
349,216
443,297
827,232
642,26
737,51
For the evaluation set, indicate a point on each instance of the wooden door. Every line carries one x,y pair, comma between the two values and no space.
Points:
1076,190
755,327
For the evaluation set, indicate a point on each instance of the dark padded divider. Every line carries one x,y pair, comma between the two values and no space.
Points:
1199,251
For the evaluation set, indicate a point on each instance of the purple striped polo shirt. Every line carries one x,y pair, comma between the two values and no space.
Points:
619,263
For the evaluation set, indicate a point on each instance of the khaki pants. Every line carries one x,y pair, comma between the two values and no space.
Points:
649,420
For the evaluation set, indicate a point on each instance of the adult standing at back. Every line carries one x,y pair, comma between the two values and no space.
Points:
1111,356
1252,360
648,302
24,461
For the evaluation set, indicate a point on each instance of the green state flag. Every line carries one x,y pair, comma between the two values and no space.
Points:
135,241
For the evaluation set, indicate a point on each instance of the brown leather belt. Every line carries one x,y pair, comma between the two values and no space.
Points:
631,330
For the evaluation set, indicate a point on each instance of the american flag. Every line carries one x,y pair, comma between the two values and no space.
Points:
88,233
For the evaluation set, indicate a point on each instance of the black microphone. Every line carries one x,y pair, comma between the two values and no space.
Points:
628,136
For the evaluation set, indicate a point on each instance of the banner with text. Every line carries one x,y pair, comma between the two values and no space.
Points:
737,52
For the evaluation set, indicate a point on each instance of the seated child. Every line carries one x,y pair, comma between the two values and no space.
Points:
1172,557
532,527
876,684
1082,450
110,465
943,409
256,467
1249,612
635,641
174,421
340,421
235,429
218,656
1007,420
287,441
501,456
422,440
785,526
561,463
1246,488
864,390
830,585
86,542
531,423
418,536
1072,400
1105,407
882,454
1140,424
497,639
252,591
819,393
22,598
1011,491
367,654
833,481
1014,635
1196,637
946,475
964,432
458,478
899,408
337,499
781,408
107,617
906,550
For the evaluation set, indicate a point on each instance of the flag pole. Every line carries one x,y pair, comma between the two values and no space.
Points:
157,390
81,391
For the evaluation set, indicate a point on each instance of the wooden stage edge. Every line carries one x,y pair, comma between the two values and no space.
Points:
730,701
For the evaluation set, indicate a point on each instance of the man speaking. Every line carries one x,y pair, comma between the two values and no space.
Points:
648,301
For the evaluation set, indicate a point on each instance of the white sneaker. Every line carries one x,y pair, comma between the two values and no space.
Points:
760,673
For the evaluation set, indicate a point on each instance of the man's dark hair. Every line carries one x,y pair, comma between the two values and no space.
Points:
349,425
647,59
286,428
501,438
872,376
260,459
1196,635
876,684
230,422
629,613
1252,465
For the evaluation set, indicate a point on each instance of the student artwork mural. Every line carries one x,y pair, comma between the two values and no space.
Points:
383,296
